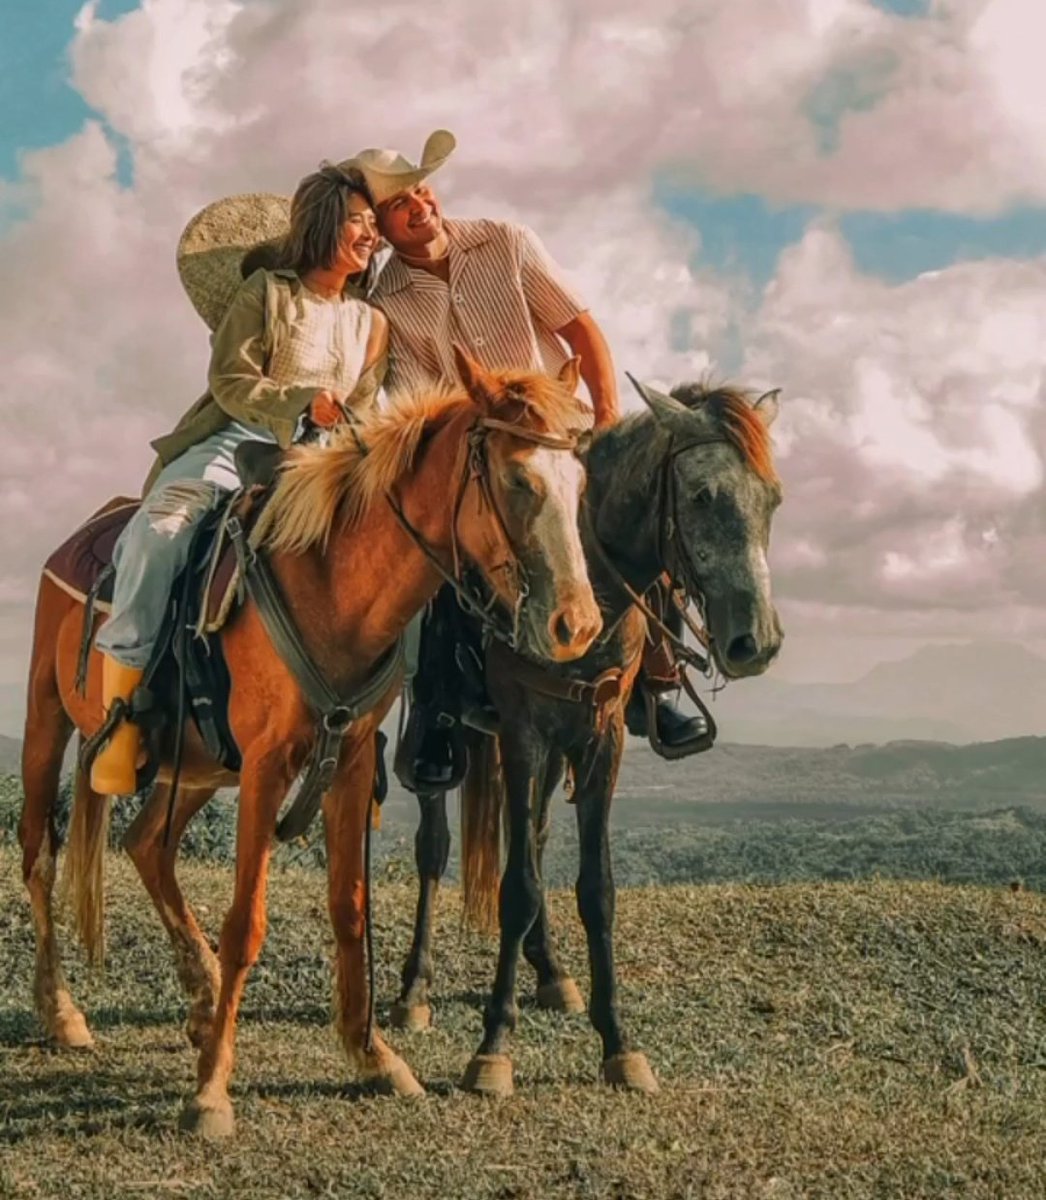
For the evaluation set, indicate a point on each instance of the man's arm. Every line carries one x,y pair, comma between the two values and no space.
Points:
556,307
586,339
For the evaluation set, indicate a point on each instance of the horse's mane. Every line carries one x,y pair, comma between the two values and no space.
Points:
360,463
732,409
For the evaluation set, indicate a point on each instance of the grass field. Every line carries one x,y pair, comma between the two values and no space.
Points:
866,1040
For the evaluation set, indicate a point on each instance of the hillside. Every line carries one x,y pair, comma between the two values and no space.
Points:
822,1042
755,814
955,693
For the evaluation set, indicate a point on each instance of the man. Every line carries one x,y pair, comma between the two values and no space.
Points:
490,287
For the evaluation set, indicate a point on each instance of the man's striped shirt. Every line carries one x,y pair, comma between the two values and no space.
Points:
503,304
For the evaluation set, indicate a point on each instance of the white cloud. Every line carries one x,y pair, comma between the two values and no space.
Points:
907,408
946,110
913,435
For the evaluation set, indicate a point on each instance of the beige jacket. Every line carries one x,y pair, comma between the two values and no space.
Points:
239,389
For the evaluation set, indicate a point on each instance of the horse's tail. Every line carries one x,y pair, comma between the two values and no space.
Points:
482,800
84,877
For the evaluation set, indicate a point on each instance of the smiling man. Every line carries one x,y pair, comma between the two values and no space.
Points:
490,287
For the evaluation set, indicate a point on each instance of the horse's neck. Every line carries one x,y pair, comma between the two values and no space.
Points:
353,599
623,480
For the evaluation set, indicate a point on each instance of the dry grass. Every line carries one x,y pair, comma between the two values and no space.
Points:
879,1040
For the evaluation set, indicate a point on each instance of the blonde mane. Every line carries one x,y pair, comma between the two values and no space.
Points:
316,484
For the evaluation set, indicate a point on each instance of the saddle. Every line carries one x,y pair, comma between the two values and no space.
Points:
82,566
202,600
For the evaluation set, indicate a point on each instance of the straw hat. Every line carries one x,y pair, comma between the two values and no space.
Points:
388,173
216,241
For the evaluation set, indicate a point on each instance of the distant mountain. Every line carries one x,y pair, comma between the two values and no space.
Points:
952,693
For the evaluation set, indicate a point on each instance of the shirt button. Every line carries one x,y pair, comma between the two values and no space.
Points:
477,342
459,298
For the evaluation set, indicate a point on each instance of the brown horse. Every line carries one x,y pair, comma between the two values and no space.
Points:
352,576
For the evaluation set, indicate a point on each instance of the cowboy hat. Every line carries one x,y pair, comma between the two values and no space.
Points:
216,241
388,173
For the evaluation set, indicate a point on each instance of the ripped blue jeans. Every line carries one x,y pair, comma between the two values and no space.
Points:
154,547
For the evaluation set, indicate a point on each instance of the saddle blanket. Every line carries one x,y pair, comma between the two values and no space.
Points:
79,562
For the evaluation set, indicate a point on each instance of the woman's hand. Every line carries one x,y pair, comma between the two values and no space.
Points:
325,410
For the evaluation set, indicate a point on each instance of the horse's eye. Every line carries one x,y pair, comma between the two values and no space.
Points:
702,498
520,481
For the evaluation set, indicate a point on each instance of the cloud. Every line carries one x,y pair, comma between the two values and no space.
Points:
832,102
913,440
913,413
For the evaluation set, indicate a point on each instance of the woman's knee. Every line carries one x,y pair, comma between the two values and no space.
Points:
173,510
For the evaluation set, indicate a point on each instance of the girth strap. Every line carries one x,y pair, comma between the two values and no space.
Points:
87,637
335,712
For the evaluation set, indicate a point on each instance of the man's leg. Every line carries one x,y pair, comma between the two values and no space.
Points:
659,676
429,756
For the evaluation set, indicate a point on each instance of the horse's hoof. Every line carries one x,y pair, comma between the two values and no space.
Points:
630,1070
489,1075
396,1079
412,1017
562,996
207,1119
70,1030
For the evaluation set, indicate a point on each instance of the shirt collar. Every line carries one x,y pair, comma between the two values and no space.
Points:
464,236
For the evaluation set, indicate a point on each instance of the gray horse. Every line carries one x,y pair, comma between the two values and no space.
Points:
687,489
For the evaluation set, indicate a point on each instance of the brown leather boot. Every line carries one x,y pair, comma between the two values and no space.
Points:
114,771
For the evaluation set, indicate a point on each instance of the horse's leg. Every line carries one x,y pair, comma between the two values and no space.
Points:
596,773
346,808
431,851
524,760
195,961
47,733
556,991
263,784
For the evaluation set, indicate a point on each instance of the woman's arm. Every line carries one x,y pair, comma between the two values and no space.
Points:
237,377
365,394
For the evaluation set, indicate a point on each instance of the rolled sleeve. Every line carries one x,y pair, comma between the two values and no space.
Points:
551,301
237,377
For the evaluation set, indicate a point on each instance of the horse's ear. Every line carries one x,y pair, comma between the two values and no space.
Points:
478,382
667,410
570,374
767,406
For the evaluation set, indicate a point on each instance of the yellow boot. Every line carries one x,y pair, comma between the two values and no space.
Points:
114,770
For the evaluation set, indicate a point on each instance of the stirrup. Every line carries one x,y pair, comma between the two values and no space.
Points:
696,745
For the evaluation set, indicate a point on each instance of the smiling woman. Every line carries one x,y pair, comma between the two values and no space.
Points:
291,348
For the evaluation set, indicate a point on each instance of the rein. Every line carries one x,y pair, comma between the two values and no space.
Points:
671,553
605,688
477,469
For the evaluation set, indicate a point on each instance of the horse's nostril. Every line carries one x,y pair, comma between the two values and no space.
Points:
743,649
561,630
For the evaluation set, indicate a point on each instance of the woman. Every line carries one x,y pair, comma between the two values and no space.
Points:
292,346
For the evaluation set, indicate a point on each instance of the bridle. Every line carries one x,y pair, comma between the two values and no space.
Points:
673,558
490,612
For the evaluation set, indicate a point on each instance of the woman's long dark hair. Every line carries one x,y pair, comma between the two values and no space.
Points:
319,209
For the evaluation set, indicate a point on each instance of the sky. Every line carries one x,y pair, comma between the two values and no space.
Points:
840,198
